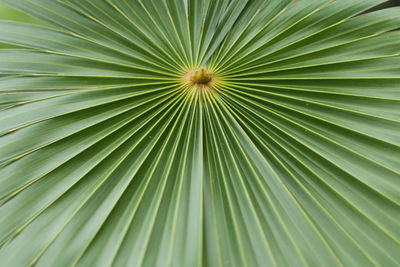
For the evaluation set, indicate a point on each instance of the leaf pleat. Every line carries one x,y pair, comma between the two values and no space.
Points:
289,157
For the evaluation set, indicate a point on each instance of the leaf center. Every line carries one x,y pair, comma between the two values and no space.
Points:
201,76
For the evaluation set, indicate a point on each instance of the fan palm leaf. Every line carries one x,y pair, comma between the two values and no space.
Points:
200,133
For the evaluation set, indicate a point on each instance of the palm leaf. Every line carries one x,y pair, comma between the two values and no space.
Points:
112,156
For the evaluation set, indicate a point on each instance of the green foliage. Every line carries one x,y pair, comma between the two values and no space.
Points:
285,153
7,13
